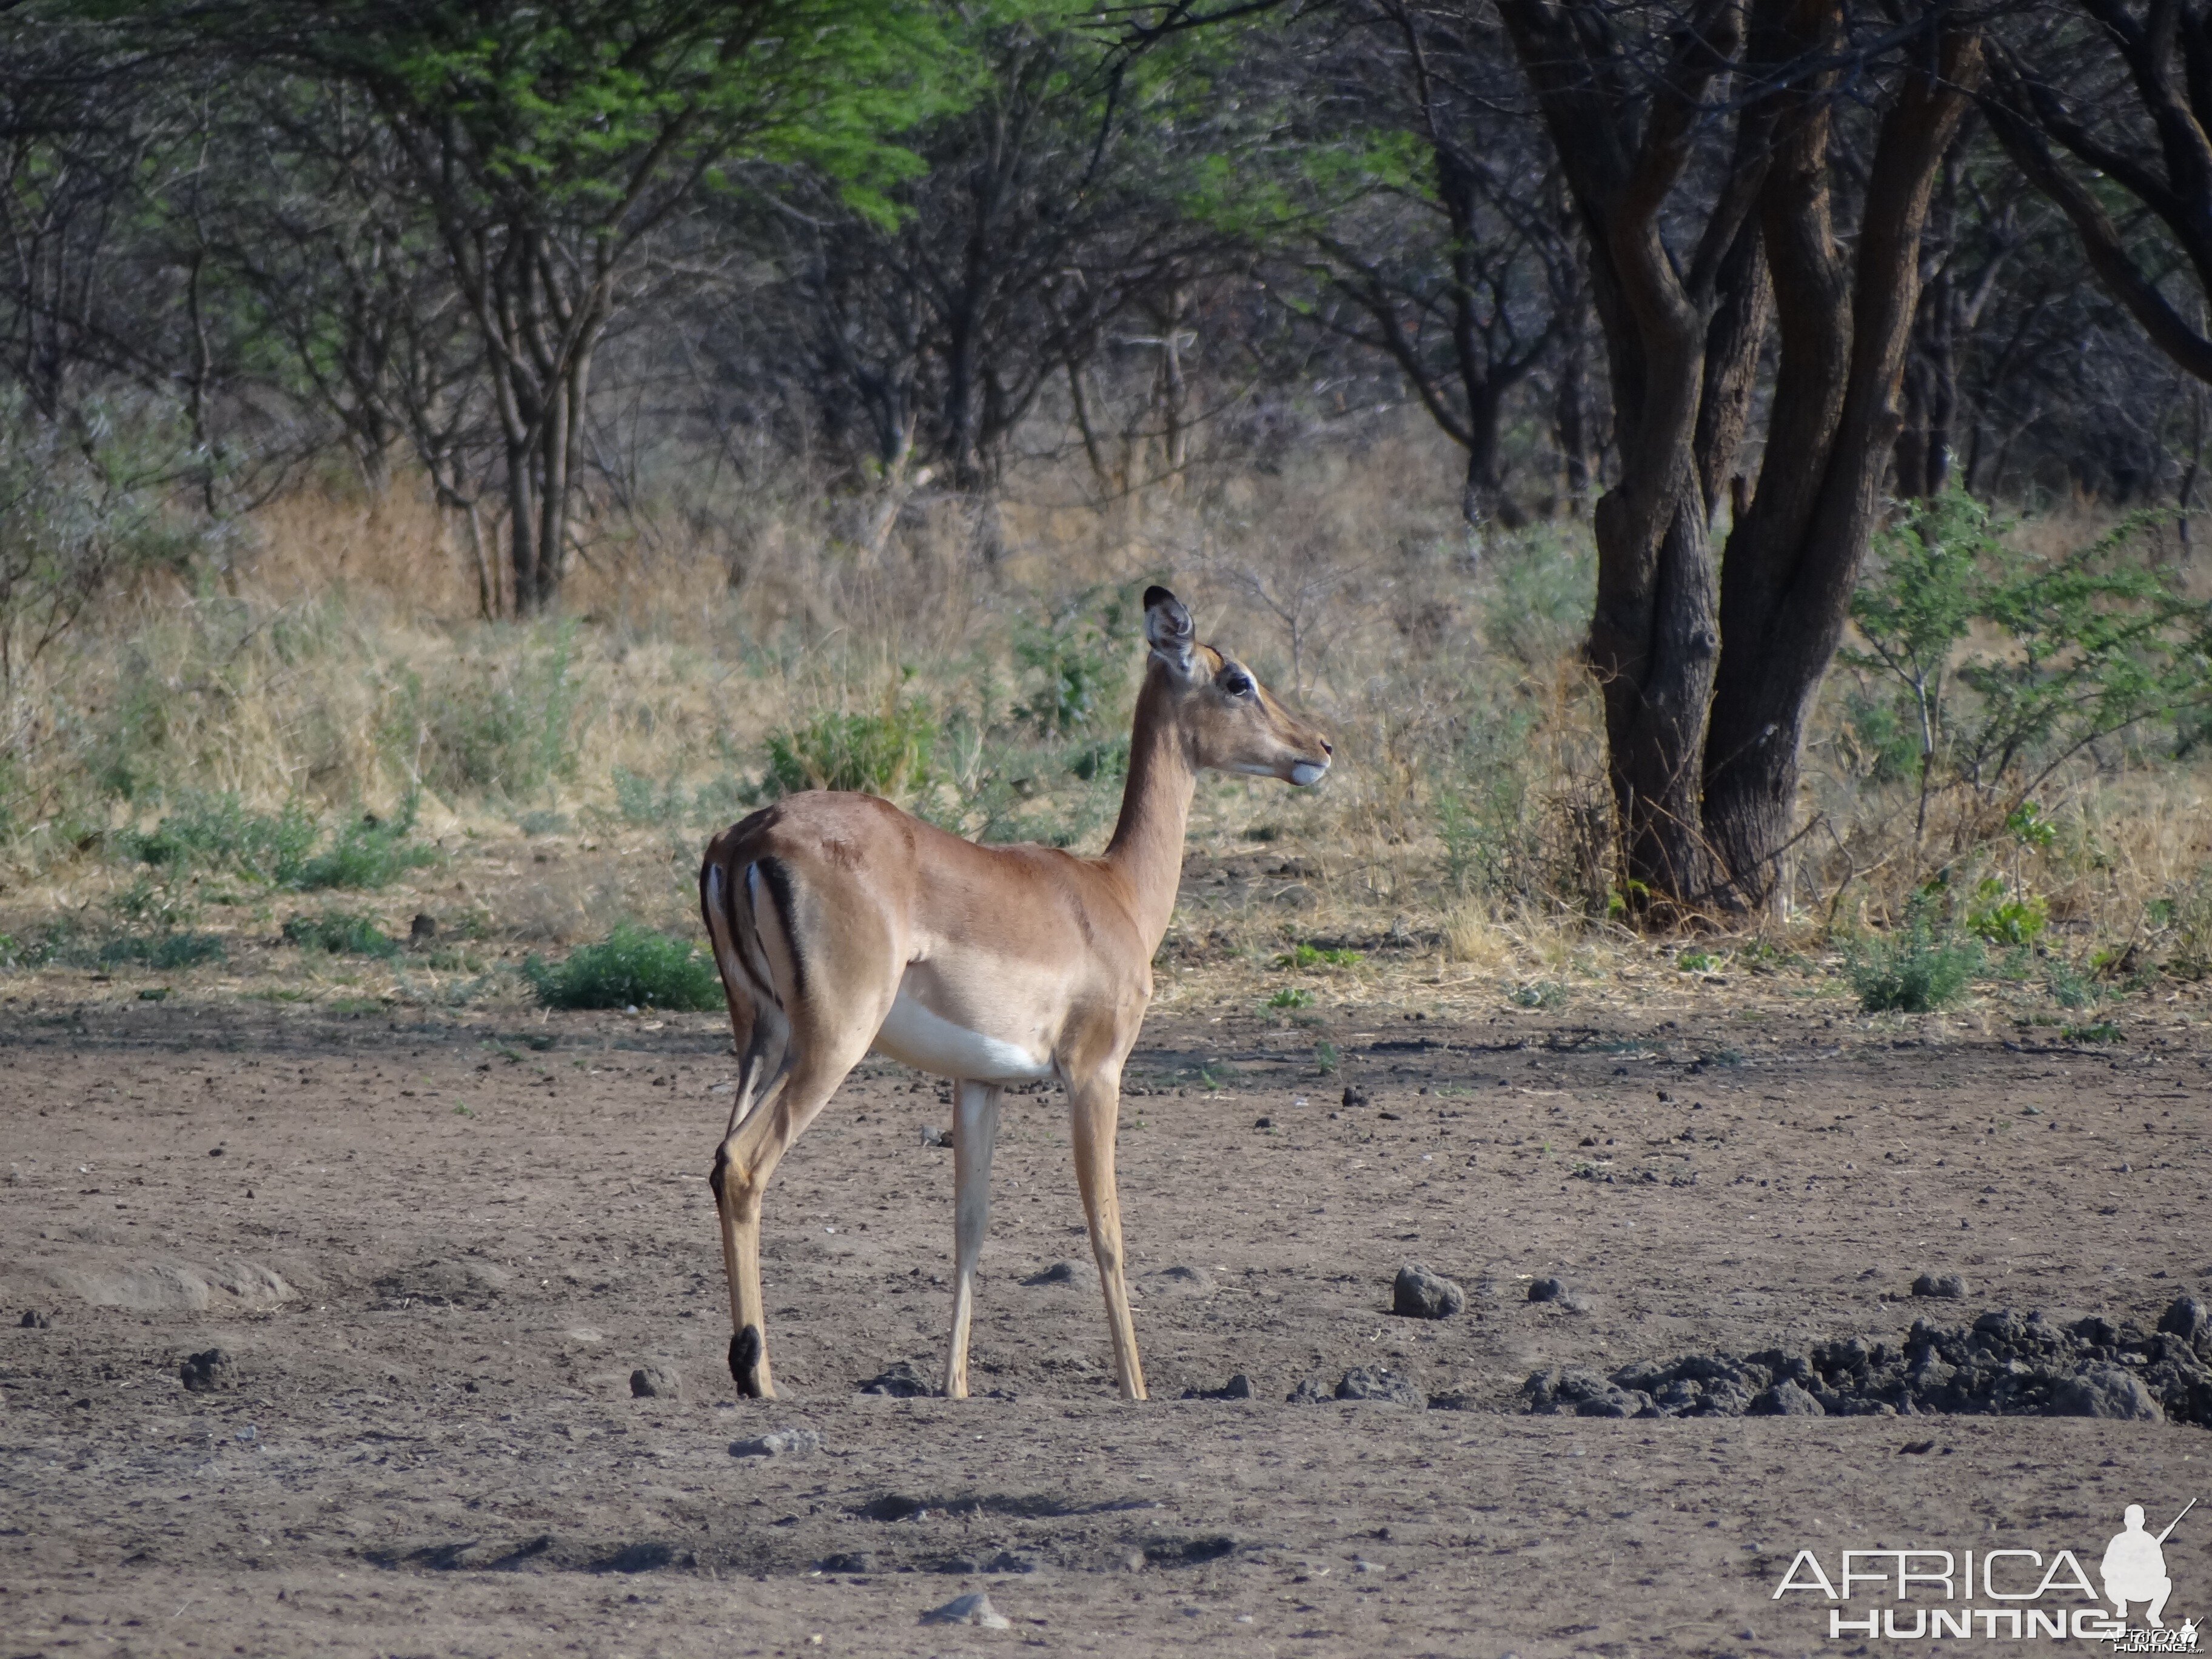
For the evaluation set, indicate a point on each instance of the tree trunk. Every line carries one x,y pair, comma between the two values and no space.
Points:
1791,564
1571,422
1707,679
1483,500
1929,392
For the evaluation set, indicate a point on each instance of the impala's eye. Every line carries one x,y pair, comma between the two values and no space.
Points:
1236,682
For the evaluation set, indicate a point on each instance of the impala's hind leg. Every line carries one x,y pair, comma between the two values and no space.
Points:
742,1164
977,1131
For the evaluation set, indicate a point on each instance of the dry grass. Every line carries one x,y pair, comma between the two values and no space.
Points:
568,773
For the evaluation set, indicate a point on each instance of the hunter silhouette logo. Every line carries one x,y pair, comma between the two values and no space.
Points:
2013,1594
2133,1568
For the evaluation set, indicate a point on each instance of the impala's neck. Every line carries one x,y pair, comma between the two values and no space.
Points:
1147,844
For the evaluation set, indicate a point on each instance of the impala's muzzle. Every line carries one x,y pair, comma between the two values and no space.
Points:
1303,771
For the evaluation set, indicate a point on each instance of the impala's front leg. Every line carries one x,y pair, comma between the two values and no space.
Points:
976,1132
1094,1110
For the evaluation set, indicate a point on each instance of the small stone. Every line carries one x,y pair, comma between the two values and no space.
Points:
934,1136
1061,1273
1380,1383
1312,1392
974,1610
653,1382
959,1565
899,1380
211,1372
36,1321
1263,1123
1556,1291
778,1443
424,926
853,1561
1007,1561
1950,1287
2184,1317
1181,1280
1238,1387
1421,1294
1354,1094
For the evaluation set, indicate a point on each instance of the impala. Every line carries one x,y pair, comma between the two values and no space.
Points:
841,925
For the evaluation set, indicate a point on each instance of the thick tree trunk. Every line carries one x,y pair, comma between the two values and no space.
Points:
1791,564
1652,645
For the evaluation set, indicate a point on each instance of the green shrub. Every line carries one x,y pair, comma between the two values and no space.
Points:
2085,647
2070,987
631,967
1544,993
1290,996
1079,659
341,932
367,854
1315,956
162,950
1924,966
220,832
882,755
2006,920
1696,961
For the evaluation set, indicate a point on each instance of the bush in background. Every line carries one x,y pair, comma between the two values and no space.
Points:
1921,967
631,967
341,932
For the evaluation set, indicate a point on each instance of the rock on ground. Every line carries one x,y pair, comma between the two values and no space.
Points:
2004,1364
1419,1293
974,1610
656,1382
210,1372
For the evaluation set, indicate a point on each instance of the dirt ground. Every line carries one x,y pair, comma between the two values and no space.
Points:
436,1247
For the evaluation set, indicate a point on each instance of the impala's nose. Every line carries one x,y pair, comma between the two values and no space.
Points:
1326,747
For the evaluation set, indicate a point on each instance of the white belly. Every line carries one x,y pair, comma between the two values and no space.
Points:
930,1042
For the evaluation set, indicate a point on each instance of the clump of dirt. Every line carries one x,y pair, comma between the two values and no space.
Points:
210,1372
2002,1365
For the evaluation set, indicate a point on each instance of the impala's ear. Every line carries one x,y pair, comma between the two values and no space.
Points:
1168,629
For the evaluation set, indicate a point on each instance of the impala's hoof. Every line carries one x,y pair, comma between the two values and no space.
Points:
744,1361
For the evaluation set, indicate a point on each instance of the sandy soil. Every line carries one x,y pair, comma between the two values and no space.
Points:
437,1248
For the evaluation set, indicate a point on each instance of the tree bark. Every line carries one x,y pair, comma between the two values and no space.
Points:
1844,325
1654,632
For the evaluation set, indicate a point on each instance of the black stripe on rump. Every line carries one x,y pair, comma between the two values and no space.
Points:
780,889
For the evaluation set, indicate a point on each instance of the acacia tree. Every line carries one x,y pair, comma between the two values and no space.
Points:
2103,105
1709,152
1404,202
545,144
1042,212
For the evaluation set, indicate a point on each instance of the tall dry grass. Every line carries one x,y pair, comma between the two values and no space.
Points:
338,664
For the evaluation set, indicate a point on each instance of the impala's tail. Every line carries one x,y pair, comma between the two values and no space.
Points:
738,899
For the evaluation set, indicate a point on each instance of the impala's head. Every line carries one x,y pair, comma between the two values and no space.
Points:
1229,719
